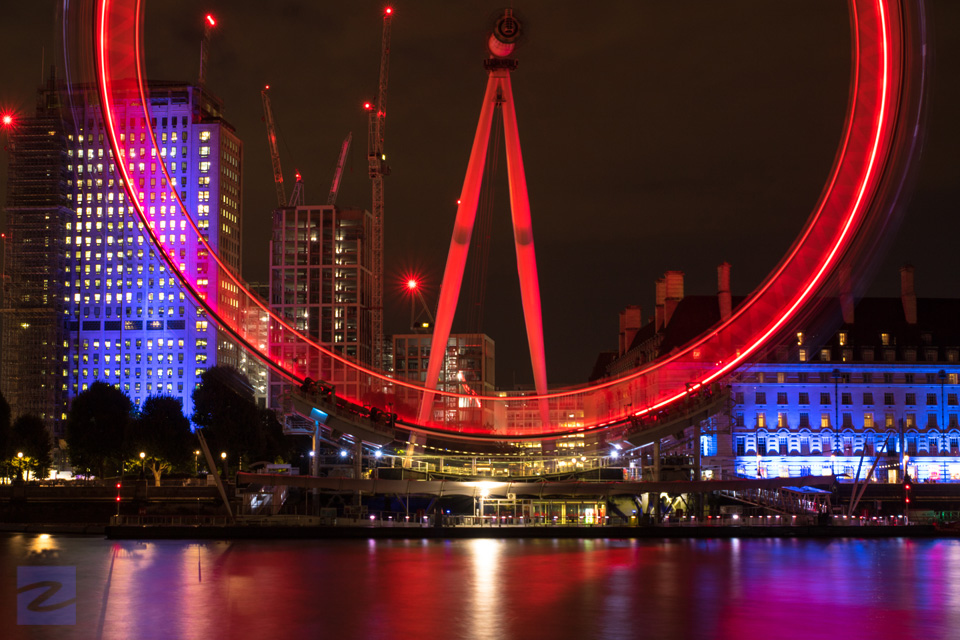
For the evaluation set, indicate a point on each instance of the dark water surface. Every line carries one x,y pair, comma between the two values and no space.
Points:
495,589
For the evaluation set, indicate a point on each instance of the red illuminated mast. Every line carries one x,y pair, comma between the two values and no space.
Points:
499,93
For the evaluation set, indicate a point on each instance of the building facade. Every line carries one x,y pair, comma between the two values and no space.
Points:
34,349
122,316
468,368
320,282
826,402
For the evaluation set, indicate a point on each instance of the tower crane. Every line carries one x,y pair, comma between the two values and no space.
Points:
272,142
377,164
209,22
335,185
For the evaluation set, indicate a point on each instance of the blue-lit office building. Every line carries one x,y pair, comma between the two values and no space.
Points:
122,316
883,387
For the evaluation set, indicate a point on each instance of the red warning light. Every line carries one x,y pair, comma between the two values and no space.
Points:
267,87
7,119
118,485
211,21
388,10
298,175
413,284
368,106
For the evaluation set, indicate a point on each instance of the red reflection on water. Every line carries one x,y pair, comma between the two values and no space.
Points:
721,589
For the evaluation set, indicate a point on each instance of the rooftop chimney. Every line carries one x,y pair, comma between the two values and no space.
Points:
674,294
723,290
907,294
629,325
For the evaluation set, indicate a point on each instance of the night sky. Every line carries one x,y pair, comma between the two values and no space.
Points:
656,136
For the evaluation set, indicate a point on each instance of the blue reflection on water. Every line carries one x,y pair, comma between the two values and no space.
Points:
895,588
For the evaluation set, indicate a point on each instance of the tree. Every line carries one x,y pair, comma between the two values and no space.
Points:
225,409
162,432
97,427
29,436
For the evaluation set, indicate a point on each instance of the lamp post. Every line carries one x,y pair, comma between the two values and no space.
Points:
196,463
223,456
20,464
143,457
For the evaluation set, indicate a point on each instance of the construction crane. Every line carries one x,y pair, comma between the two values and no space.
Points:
209,22
377,163
274,152
335,185
296,198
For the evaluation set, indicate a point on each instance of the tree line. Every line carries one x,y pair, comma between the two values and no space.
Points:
106,432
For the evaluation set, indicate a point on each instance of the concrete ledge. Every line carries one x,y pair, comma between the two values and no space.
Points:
241,532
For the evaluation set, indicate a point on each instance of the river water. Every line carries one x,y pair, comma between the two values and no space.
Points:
496,589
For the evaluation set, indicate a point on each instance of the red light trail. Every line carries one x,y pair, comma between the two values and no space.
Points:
849,213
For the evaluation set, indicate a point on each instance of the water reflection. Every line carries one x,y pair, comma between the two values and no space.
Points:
485,605
499,588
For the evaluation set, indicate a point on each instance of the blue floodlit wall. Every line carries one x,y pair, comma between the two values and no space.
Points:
127,322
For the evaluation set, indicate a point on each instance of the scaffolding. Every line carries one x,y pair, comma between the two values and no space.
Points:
33,334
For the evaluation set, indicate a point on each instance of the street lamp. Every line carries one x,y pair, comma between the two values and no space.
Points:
196,462
142,462
223,456
20,464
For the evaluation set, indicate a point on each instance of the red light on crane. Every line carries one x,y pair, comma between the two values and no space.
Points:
211,21
368,106
388,10
413,284
7,120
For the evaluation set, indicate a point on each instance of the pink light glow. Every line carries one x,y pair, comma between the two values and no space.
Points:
211,21
7,119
